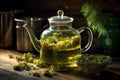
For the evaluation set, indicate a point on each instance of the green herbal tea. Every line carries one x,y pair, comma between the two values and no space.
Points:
60,50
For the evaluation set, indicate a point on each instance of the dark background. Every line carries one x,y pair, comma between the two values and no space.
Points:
46,8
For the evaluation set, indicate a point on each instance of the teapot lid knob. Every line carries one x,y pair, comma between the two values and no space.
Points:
60,18
60,13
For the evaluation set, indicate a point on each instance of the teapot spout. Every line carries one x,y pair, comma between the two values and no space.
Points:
33,38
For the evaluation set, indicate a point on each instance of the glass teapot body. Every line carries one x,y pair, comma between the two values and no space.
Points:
61,43
60,46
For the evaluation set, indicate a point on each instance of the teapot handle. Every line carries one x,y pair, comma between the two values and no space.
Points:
90,37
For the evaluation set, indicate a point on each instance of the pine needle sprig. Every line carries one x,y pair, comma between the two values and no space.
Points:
96,20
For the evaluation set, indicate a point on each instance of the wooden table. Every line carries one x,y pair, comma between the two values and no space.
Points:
111,72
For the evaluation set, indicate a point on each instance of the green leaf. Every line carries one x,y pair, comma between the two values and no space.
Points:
108,41
95,20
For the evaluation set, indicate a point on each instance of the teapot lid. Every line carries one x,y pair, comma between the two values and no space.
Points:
60,18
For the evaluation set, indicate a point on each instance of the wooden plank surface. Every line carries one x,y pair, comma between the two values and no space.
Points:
8,73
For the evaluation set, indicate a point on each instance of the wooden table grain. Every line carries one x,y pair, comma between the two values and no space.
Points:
8,73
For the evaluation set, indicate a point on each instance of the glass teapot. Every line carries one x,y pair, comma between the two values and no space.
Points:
60,44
